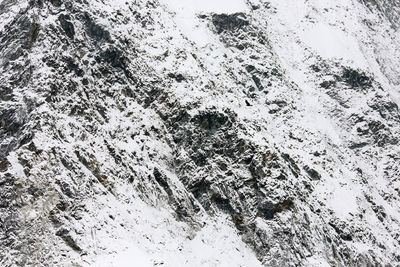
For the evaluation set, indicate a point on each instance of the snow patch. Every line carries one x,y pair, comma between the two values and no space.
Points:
317,261
331,42
132,257
206,6
186,16
343,202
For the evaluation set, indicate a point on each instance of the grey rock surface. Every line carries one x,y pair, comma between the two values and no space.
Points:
266,136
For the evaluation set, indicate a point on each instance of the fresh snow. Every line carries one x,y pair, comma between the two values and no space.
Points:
331,42
118,228
187,12
193,7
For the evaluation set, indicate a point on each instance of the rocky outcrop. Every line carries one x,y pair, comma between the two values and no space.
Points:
116,126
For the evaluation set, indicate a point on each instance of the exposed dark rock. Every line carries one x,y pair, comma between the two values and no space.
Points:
257,170
386,109
312,173
90,163
317,154
276,106
64,234
32,35
212,121
162,181
284,205
56,3
276,72
36,3
85,81
116,59
343,235
346,237
84,98
113,57
203,16
177,77
200,187
257,82
4,165
224,22
268,209
358,145
35,192
94,30
73,66
11,121
328,84
113,153
67,190
292,164
315,68
199,158
250,68
389,9
222,203
356,79
67,26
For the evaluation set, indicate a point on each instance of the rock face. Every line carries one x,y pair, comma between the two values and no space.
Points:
159,133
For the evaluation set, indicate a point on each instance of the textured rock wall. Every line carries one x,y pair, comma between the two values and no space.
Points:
108,105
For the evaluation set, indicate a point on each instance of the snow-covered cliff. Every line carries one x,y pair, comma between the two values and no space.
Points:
199,133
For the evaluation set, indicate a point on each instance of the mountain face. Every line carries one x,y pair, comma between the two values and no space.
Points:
199,133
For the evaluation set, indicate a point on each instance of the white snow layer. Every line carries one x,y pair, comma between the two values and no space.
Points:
293,38
145,236
331,42
186,13
192,7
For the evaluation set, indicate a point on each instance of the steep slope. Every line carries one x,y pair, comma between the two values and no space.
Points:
236,133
